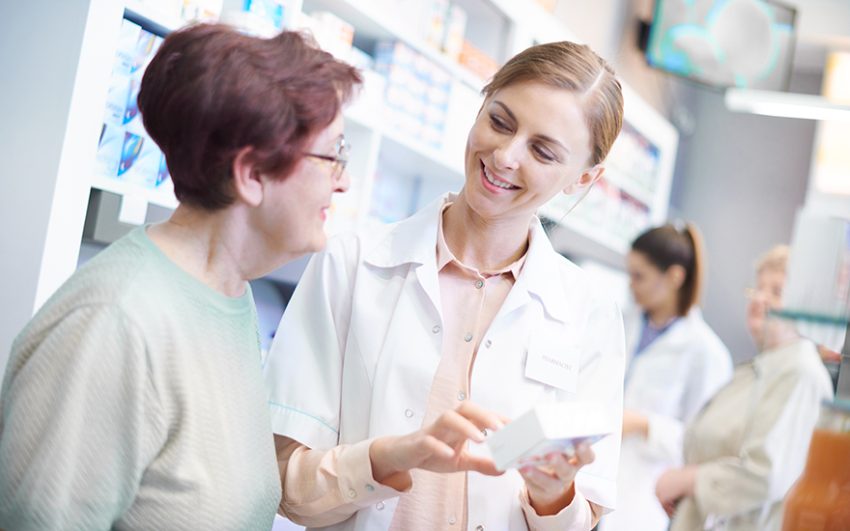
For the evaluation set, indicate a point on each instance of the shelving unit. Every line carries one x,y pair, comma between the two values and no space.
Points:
500,28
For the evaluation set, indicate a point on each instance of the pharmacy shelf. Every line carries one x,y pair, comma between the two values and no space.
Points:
404,150
373,24
163,197
554,212
618,176
407,151
809,317
539,24
151,18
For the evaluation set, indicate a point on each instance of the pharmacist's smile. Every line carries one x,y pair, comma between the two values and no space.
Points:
495,183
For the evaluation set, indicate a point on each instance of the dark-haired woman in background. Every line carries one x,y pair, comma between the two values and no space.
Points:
134,397
676,364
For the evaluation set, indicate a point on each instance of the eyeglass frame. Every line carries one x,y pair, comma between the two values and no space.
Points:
340,160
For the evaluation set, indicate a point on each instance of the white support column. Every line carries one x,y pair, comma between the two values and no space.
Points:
56,58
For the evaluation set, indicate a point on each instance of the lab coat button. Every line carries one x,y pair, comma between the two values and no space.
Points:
436,329
379,506
467,337
408,413
488,343
479,528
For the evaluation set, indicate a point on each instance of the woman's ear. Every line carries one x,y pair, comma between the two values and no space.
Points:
676,276
587,178
247,179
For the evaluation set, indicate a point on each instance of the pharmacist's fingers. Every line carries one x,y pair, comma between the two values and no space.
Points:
455,429
480,464
483,418
562,467
584,455
540,481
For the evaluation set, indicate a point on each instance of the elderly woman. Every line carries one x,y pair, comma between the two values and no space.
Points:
746,448
134,397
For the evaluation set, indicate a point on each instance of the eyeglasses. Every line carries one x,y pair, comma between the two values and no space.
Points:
339,161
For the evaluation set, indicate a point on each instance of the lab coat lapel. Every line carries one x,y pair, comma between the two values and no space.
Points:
413,242
540,278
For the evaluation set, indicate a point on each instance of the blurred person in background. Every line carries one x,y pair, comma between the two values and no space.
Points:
746,448
676,363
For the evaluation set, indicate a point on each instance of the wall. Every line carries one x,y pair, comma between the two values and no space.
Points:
53,88
741,178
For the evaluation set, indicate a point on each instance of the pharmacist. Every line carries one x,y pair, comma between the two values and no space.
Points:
402,346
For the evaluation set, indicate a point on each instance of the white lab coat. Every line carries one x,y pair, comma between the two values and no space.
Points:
359,344
669,382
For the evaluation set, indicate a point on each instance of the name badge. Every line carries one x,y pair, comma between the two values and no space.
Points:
553,364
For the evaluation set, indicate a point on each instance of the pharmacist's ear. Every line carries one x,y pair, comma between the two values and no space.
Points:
247,179
586,180
676,276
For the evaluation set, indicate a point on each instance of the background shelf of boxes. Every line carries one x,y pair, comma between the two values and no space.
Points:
424,64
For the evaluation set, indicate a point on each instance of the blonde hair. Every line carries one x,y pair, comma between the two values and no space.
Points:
577,68
776,259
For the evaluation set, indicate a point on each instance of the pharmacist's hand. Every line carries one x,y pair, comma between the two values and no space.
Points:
439,447
551,487
635,423
673,485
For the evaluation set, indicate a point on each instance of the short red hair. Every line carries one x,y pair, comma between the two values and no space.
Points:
210,92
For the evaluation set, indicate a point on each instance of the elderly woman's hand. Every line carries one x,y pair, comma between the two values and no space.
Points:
551,486
675,484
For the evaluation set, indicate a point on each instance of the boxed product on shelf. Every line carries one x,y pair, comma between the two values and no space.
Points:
201,10
455,31
141,162
109,150
122,108
271,11
476,61
393,197
125,150
417,92
435,12
136,48
333,34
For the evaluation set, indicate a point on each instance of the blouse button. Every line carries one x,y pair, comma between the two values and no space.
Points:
461,396
479,284
467,337
379,506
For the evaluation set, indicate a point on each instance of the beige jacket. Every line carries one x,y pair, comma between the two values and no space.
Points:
750,441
